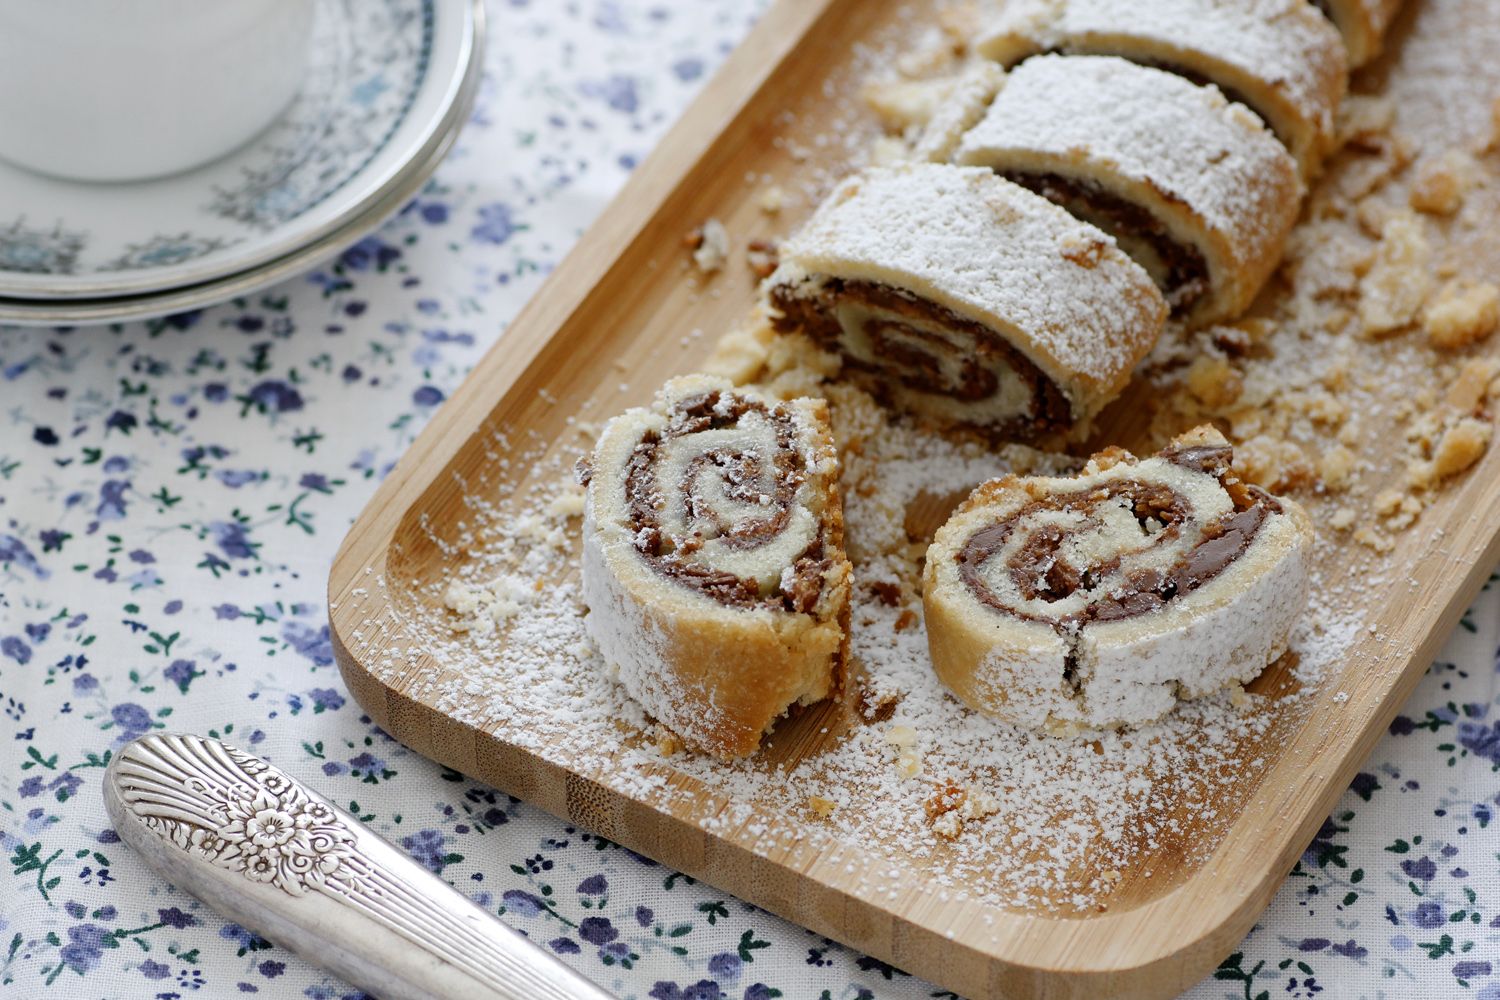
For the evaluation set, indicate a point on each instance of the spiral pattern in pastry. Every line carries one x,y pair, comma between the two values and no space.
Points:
1191,185
967,300
713,562
1101,600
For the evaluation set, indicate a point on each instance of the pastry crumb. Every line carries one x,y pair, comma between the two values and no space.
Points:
821,807
905,105
901,736
978,804
667,742
741,354
1442,183
710,245
943,800
1273,463
949,826
762,256
1461,445
1337,468
1460,315
772,199
1396,286
1213,381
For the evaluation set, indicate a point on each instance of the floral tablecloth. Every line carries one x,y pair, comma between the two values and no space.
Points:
172,492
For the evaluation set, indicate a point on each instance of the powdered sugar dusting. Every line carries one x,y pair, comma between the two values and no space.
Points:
1048,816
1284,44
1150,126
991,251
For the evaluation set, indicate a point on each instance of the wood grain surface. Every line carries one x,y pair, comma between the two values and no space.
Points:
619,311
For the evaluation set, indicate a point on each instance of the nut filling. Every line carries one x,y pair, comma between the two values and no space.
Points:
725,475
1112,552
894,336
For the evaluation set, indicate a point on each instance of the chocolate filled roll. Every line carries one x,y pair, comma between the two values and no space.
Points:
1190,184
1280,58
967,300
713,559
1101,600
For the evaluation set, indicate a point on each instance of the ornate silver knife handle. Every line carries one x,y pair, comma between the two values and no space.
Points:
279,859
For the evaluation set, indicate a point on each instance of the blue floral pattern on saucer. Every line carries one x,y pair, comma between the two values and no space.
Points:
33,250
369,83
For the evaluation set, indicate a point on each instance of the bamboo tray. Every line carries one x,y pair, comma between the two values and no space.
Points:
616,311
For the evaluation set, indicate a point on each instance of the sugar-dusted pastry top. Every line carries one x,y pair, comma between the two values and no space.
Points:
1281,57
992,252
1185,141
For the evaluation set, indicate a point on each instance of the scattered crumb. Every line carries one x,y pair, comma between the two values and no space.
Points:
1274,463
762,256
905,105
1461,446
1396,286
1443,182
710,244
1213,381
1462,315
668,743
772,199
948,826
1337,467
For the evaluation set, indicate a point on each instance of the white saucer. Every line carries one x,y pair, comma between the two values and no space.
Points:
389,84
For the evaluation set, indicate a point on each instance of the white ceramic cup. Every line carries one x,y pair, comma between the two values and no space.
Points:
114,90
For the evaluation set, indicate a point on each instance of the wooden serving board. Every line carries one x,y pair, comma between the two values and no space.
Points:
620,315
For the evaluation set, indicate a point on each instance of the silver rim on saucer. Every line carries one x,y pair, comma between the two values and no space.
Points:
378,198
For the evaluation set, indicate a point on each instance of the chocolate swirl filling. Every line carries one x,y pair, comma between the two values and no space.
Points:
748,479
1180,270
1040,570
926,348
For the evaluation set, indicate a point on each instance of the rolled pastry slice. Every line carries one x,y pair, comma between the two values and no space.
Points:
966,299
1192,186
1101,600
1280,58
713,559
1363,23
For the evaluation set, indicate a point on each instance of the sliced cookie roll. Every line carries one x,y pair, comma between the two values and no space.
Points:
967,300
1101,600
713,559
1363,23
1191,185
1280,58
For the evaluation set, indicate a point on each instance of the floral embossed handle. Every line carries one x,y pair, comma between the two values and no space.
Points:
267,852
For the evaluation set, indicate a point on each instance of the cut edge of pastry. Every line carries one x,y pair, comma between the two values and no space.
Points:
1135,667
719,675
